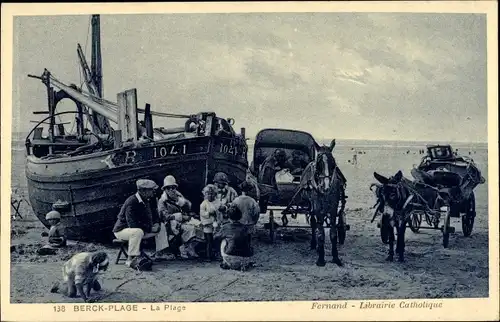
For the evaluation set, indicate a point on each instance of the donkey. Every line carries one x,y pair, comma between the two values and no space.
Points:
324,187
397,193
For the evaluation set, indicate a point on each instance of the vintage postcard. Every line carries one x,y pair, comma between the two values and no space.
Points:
250,161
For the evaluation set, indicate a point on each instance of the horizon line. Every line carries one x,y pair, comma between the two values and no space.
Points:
352,139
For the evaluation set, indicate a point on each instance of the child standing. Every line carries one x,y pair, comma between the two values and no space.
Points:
208,213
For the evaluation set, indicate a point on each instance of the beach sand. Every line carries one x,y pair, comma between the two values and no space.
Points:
285,270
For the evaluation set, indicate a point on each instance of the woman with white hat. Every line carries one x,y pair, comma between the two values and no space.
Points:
174,209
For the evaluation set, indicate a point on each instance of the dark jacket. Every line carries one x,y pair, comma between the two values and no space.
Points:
267,172
237,237
134,214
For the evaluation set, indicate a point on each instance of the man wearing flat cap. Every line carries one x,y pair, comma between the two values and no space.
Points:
138,218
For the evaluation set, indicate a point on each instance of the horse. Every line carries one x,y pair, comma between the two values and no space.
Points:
323,186
397,192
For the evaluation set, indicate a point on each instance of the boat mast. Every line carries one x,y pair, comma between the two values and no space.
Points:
96,62
96,72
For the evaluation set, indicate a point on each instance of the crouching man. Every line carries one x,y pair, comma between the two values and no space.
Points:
80,275
138,218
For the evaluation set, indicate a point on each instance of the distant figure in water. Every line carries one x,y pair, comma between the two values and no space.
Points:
355,159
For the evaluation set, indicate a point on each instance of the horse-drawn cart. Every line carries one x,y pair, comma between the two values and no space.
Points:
443,187
285,192
456,177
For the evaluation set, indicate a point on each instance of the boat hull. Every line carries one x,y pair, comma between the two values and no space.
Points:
96,185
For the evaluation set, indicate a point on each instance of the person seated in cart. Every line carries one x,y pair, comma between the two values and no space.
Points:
297,162
271,165
235,247
183,230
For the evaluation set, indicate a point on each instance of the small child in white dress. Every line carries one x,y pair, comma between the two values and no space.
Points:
208,214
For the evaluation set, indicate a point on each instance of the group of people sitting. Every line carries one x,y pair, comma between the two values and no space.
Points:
224,225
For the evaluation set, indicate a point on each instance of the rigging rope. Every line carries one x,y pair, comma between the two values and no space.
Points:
112,106
88,32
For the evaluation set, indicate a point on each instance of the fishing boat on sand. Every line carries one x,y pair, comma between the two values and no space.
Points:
88,174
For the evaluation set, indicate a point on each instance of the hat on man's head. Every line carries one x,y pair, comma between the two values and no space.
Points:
169,181
221,177
146,184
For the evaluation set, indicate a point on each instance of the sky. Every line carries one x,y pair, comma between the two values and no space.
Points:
384,76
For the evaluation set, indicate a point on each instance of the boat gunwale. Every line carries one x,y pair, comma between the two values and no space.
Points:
33,159
122,169
126,169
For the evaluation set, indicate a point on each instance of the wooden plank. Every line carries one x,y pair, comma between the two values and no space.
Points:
131,97
117,135
148,121
122,115
127,114
208,125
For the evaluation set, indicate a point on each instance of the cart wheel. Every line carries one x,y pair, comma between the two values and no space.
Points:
468,218
446,229
271,226
428,220
384,229
435,221
415,222
284,220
